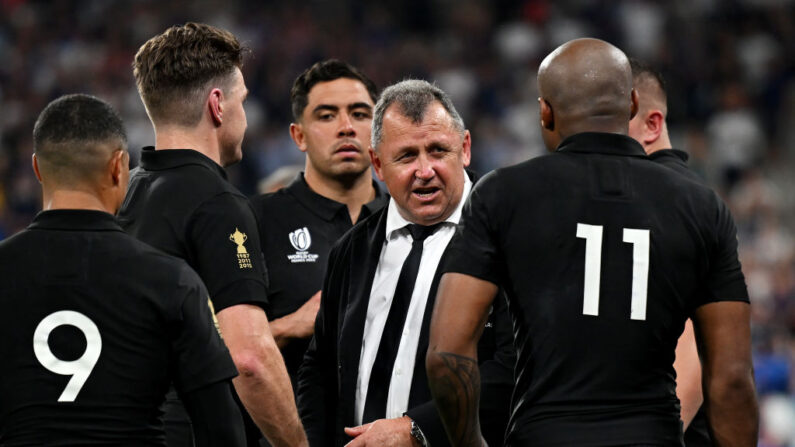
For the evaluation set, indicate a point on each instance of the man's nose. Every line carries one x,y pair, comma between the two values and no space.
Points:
425,170
346,126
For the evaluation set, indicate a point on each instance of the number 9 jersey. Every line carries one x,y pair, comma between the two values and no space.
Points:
95,326
603,255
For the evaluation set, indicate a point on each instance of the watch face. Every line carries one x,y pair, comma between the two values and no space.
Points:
416,433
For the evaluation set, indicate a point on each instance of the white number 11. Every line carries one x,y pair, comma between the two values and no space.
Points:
593,268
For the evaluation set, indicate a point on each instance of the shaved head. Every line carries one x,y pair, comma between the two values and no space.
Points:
587,86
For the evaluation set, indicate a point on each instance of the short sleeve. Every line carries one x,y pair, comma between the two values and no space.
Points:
725,280
199,354
225,245
474,248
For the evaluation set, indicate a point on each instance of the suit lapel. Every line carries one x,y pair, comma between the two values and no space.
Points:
366,245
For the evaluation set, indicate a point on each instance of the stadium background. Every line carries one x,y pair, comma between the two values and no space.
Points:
729,66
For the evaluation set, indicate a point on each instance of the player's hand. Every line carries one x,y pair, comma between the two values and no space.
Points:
383,432
304,317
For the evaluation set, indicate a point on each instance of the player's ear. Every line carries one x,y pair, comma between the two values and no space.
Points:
547,115
466,150
119,166
297,134
35,162
376,162
215,106
655,121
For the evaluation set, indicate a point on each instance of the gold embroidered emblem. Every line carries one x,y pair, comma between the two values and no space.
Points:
215,319
243,259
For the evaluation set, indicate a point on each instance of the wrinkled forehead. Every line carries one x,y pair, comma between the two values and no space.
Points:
436,124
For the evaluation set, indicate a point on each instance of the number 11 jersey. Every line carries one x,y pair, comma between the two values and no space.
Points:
603,255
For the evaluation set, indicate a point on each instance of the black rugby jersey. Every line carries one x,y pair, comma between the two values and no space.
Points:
95,325
298,227
181,202
677,160
697,433
601,253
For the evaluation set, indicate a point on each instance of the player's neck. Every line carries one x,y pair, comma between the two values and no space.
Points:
353,192
75,199
178,137
607,124
661,143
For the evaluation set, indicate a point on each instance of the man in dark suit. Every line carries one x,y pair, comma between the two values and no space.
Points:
363,376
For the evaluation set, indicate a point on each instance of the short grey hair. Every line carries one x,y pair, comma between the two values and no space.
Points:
413,96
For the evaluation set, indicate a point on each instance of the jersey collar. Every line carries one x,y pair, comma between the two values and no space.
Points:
75,220
327,208
153,160
673,153
602,143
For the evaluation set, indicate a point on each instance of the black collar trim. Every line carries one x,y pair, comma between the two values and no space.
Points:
674,153
75,220
159,160
602,143
325,207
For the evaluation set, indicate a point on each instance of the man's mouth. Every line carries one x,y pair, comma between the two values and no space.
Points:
347,148
426,193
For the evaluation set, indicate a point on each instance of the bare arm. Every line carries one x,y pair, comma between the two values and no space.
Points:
688,374
723,333
263,385
459,314
299,324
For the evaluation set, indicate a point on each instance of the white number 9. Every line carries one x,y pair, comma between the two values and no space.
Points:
79,369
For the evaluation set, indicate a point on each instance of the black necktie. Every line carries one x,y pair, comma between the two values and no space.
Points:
381,375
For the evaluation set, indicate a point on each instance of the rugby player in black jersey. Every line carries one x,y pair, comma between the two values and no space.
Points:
332,104
180,201
603,255
96,324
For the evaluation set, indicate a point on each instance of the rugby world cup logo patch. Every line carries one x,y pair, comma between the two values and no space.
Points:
301,240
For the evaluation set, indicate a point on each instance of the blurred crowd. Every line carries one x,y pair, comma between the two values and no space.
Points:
729,68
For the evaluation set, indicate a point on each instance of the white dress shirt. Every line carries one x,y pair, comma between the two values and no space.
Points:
396,248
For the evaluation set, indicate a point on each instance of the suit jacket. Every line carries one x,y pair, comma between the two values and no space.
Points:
327,378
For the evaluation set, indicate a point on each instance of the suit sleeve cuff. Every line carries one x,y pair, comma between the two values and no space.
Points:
428,420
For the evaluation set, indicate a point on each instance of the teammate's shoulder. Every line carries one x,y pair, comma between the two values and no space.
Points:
159,267
152,258
519,172
14,241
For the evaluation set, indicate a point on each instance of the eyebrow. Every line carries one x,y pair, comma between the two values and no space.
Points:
355,105
360,105
325,107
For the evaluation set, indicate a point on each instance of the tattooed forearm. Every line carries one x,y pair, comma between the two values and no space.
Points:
455,385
